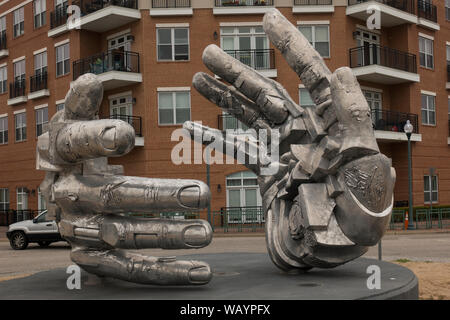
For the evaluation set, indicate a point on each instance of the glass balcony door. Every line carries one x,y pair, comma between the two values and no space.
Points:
370,47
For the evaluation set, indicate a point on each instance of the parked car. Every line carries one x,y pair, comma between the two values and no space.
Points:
20,234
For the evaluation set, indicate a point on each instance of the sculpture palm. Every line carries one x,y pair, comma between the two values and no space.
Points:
331,197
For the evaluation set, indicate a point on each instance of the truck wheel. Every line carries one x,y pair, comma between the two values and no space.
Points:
44,244
18,240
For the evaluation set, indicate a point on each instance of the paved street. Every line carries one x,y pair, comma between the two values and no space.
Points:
420,247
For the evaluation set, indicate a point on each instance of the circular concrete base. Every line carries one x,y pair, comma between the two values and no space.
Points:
236,276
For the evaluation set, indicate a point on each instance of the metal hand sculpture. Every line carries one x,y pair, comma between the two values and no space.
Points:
90,199
333,193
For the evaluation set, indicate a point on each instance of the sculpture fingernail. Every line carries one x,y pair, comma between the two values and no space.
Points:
200,274
195,236
109,138
194,196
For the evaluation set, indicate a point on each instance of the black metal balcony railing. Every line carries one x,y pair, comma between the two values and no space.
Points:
243,3
383,56
3,41
258,59
17,89
229,122
404,5
427,10
90,6
113,60
38,82
387,120
134,121
171,3
313,2
58,17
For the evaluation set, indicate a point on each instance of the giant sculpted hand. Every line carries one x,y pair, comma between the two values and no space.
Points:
90,199
331,197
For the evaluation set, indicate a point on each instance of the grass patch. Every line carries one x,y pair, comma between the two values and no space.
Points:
402,260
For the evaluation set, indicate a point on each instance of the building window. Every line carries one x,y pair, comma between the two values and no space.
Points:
426,52
4,199
305,98
3,79
248,44
21,126
18,22
22,198
243,198
39,13
59,107
447,10
40,63
3,30
430,188
122,108
4,130
41,121
62,59
231,123
428,109
174,107
42,204
19,71
319,37
374,100
173,44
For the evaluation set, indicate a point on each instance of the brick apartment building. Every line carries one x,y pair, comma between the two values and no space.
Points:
146,52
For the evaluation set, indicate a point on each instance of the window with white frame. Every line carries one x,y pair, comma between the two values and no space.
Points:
122,108
19,71
426,52
3,79
248,44
428,109
174,107
18,22
22,198
42,204
305,98
231,123
21,126
430,188
4,130
60,106
172,43
62,59
318,36
447,10
40,63
39,8
243,197
4,199
3,30
41,121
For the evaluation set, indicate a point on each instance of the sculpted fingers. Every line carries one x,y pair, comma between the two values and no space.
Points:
273,101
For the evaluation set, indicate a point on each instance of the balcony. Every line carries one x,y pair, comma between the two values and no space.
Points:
384,65
38,86
115,68
427,13
4,52
388,125
136,123
171,8
393,12
447,86
17,92
97,15
262,60
226,7
313,6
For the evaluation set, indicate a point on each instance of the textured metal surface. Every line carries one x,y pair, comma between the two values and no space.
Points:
332,195
91,200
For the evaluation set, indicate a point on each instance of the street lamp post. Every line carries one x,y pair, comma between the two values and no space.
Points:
409,130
